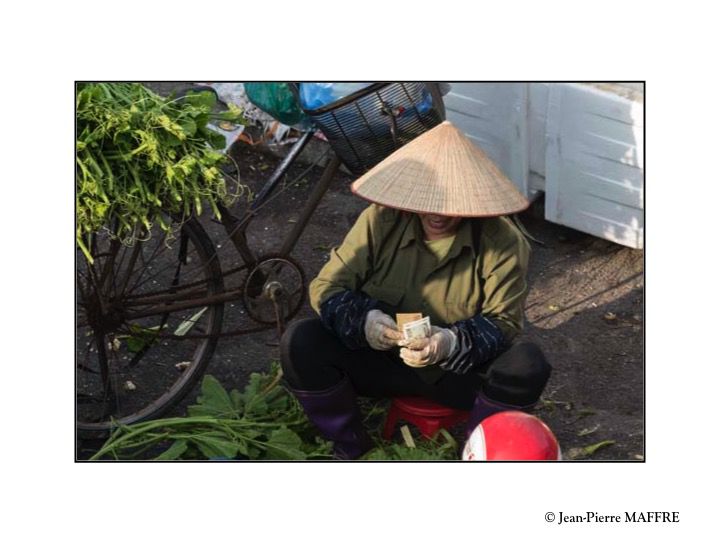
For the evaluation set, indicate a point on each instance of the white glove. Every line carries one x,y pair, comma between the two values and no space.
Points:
424,352
381,331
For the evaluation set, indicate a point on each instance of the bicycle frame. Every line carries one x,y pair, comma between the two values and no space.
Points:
236,227
186,296
203,284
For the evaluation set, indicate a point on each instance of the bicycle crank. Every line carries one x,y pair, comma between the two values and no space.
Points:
273,290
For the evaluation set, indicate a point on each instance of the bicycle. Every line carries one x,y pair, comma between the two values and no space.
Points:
150,313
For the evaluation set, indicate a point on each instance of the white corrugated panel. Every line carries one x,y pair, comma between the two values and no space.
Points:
537,125
594,163
580,143
494,116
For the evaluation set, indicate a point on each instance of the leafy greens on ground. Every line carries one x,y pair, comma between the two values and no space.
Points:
263,422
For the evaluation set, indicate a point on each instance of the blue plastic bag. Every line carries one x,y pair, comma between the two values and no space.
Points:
316,95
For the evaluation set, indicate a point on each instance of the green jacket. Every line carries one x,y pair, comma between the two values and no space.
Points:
384,256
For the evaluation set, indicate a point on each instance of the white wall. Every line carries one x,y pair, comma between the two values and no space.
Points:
582,144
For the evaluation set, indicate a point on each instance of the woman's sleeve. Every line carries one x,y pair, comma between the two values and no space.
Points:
344,315
335,293
484,336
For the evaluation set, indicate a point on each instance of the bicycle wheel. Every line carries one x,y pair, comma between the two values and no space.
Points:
147,324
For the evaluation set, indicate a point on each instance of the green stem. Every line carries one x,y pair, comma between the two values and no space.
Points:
140,429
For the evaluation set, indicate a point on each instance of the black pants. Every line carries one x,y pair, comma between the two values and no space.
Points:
314,359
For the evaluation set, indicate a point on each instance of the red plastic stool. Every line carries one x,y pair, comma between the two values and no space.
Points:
424,414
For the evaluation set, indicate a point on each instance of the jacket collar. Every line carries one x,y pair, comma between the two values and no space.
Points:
464,237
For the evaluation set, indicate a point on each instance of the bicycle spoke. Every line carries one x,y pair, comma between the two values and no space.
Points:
130,266
187,275
107,272
86,369
170,266
151,325
145,263
206,282
94,283
82,280
108,392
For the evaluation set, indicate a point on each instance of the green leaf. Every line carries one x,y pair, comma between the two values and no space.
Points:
234,115
216,140
204,99
213,401
253,449
376,454
588,431
237,400
285,444
242,447
416,454
318,448
215,447
141,337
135,344
201,119
279,405
254,401
176,450
171,140
587,451
591,449
254,386
185,326
188,126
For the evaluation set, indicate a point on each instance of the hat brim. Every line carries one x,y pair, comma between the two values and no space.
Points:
441,172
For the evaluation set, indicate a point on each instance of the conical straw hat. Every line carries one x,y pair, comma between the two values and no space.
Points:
441,172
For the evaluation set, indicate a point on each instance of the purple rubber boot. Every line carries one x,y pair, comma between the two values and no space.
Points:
336,414
484,407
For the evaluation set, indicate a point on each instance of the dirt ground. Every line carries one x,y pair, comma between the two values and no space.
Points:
585,310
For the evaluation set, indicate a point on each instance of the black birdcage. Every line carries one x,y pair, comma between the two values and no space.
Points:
366,126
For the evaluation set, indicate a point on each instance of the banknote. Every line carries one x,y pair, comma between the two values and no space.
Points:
416,329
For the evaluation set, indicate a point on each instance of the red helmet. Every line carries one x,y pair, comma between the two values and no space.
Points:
511,436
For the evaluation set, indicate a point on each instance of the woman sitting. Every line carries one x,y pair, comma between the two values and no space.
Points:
433,242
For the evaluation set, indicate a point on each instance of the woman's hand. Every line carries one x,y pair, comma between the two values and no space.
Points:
381,331
424,352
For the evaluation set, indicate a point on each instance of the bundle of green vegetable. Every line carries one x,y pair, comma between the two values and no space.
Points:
142,158
264,422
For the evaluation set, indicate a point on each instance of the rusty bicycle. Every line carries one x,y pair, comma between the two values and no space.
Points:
150,313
